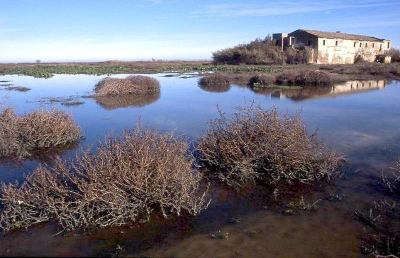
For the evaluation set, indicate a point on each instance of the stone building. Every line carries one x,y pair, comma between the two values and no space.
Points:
335,47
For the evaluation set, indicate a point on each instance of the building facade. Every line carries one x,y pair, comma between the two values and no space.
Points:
335,47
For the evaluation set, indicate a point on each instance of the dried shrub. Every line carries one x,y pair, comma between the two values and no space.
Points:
392,182
287,77
128,179
395,54
215,79
259,51
262,80
134,84
316,78
23,136
297,56
306,77
382,237
260,146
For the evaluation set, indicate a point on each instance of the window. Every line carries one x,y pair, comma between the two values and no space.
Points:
380,48
355,43
309,43
323,42
388,44
373,45
366,45
360,44
337,43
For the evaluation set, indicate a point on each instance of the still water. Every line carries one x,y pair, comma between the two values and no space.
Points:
360,119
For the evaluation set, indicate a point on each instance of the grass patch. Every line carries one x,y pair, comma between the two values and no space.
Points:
261,146
129,178
23,136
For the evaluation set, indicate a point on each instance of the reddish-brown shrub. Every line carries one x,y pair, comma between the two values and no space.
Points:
134,84
22,136
262,80
261,146
128,179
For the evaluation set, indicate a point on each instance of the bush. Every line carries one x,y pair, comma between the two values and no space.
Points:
256,52
262,80
129,178
215,79
297,56
260,146
287,77
395,54
134,84
316,78
23,136
304,78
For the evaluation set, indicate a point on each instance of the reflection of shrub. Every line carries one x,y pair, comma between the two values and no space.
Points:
216,79
262,80
129,178
114,102
257,145
22,136
135,84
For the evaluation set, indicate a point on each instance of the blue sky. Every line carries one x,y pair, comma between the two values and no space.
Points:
93,30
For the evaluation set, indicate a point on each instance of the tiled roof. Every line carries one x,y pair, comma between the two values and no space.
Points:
339,35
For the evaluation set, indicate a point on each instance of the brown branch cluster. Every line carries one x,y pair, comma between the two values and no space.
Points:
22,136
127,180
257,145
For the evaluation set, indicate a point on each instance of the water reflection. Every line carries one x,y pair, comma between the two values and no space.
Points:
364,127
114,102
349,87
216,88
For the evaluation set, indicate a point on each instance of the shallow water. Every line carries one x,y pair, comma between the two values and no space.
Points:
359,119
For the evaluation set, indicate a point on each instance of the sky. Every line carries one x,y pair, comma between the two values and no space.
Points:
99,30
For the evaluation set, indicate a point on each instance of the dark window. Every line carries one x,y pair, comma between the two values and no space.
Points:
388,45
323,42
380,48
366,44
360,44
309,43
337,43
373,45
355,43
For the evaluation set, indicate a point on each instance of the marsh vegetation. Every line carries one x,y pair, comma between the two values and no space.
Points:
128,179
257,146
26,135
